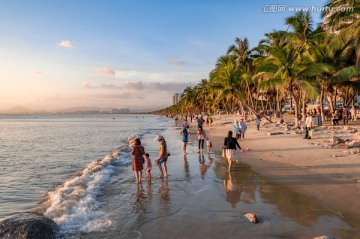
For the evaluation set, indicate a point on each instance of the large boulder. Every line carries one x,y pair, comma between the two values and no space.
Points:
28,226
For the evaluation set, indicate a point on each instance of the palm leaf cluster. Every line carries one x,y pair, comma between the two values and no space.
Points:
297,66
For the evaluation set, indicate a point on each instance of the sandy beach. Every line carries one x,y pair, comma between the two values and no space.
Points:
298,188
309,167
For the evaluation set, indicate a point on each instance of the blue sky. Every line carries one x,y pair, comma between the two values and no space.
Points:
125,53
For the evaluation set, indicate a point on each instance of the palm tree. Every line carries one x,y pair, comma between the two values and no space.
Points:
344,22
281,68
330,66
244,63
188,100
226,80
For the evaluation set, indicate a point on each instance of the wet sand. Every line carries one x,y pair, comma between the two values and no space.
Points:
331,176
294,186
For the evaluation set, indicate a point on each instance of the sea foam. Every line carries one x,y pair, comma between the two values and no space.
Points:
73,205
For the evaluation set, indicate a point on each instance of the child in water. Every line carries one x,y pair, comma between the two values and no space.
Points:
148,165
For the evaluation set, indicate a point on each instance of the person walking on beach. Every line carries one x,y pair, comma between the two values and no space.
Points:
308,125
185,133
243,128
200,121
148,166
258,122
163,156
201,138
230,144
137,162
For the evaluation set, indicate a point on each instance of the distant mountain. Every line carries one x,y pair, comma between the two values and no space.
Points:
17,110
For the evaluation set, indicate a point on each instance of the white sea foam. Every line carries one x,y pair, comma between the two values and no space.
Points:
73,205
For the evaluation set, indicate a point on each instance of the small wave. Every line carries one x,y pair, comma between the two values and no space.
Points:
73,205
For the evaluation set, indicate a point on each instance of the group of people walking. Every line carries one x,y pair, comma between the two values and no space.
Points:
239,128
201,135
140,158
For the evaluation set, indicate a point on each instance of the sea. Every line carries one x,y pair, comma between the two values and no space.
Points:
76,170
61,165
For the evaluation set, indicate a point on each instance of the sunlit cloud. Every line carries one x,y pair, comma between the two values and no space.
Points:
105,71
66,44
86,85
176,62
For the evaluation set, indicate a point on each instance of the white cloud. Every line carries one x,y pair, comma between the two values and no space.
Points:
159,76
66,44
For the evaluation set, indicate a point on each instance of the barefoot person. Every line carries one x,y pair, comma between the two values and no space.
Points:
137,162
201,137
185,134
163,155
148,166
230,143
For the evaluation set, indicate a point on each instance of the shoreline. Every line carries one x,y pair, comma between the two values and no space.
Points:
331,176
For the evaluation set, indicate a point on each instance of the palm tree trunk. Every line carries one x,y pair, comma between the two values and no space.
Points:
321,103
292,98
334,100
256,113
303,106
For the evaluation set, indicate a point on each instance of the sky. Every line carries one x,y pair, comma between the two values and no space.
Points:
133,54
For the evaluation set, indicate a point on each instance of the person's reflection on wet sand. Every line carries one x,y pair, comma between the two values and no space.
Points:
203,167
164,196
233,190
186,167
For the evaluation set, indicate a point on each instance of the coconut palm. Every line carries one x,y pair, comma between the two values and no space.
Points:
344,22
331,65
281,68
226,80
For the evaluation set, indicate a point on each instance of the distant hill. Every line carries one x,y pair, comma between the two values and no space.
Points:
17,110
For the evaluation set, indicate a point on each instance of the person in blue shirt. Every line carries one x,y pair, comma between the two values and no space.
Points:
185,133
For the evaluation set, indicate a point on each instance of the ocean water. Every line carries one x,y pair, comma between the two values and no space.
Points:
76,170
59,165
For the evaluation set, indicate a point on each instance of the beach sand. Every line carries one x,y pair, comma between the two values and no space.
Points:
298,188
307,166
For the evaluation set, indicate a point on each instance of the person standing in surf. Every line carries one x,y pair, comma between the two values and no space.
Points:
138,161
185,133
163,156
